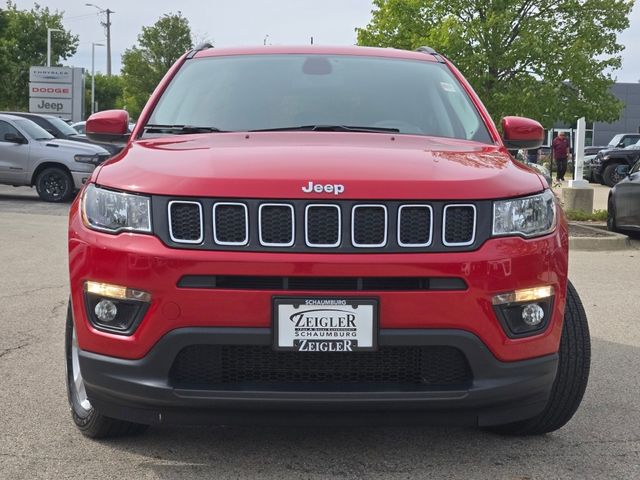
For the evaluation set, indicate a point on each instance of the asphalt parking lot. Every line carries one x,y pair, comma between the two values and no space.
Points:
38,440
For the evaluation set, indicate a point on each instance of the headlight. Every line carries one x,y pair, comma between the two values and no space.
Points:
113,212
527,216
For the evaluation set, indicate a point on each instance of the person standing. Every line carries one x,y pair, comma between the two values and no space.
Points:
561,149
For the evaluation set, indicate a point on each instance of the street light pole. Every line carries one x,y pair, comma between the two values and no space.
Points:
107,26
49,30
93,75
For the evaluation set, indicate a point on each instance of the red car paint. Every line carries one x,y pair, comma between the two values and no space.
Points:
276,165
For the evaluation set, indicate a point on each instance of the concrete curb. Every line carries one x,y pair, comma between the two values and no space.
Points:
612,241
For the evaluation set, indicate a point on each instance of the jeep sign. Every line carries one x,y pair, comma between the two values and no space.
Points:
57,106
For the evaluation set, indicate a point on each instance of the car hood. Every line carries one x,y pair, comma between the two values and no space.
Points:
616,151
279,165
72,145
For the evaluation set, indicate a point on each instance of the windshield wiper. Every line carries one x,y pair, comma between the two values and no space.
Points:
178,129
330,128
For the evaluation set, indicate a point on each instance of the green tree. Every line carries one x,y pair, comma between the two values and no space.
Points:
552,60
23,43
143,66
108,92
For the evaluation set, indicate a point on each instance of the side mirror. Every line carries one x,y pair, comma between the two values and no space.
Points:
109,126
13,138
520,132
622,170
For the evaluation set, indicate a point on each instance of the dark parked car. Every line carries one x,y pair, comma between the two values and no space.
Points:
61,129
605,165
624,201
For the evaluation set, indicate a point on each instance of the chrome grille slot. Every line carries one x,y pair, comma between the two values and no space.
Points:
459,225
369,226
323,225
415,225
185,222
276,225
230,223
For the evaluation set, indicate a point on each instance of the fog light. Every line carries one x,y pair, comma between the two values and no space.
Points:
115,308
532,314
106,311
524,312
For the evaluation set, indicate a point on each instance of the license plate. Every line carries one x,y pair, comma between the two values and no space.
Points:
325,324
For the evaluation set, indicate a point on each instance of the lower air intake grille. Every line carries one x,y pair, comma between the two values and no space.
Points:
218,367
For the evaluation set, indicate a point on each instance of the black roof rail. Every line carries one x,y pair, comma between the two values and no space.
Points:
202,46
431,51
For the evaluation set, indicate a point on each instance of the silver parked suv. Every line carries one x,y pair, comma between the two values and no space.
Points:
31,156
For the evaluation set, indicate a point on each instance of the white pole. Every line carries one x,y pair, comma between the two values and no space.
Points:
93,75
49,30
48,47
93,78
578,156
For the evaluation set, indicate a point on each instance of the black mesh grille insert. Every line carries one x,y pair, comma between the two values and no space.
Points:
369,225
323,225
276,223
242,282
231,223
459,224
415,225
260,367
186,222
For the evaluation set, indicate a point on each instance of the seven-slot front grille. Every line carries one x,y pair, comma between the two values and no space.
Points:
299,225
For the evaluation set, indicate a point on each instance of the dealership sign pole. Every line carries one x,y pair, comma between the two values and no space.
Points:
57,91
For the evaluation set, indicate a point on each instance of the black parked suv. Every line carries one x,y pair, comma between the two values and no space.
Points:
621,140
61,129
606,162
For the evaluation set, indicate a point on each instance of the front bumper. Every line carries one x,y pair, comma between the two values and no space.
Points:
143,262
79,179
140,390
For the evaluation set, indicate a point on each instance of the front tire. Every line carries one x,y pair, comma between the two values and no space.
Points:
610,176
54,184
571,379
88,420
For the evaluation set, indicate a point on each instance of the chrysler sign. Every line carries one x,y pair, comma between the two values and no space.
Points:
51,74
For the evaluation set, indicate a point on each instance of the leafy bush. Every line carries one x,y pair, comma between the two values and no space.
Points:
582,216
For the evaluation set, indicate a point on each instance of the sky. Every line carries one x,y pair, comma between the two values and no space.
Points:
248,22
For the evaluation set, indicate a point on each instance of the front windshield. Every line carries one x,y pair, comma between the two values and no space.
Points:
261,92
32,130
615,140
66,129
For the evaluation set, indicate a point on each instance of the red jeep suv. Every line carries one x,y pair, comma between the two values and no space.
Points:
320,234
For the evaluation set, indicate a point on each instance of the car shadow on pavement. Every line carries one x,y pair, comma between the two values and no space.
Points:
600,442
